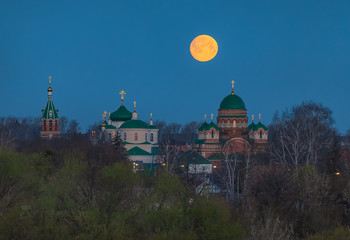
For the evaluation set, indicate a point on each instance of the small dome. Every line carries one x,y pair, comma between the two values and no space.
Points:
232,101
203,126
212,125
122,114
135,124
251,126
260,125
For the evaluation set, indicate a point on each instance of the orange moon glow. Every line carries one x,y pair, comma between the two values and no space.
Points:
204,48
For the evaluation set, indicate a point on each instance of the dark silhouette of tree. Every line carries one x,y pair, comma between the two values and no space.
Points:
302,135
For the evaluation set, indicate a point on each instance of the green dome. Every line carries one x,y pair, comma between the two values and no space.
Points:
212,125
135,124
203,126
251,126
260,125
232,101
122,114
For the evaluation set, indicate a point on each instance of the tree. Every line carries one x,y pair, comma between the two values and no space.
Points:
73,128
302,135
189,132
118,144
170,156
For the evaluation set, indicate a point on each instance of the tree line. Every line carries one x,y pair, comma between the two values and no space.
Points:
299,188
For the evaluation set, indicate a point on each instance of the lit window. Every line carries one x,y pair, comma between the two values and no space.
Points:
234,123
136,137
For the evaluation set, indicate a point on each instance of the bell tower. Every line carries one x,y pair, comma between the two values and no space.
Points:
50,121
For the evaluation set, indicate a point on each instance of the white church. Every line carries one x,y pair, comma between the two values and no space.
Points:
140,138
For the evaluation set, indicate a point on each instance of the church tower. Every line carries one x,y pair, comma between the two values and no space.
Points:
233,123
49,120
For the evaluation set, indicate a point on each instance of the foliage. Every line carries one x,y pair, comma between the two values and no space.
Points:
340,233
63,194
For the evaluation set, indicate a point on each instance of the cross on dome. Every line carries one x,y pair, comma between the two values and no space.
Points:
122,93
233,86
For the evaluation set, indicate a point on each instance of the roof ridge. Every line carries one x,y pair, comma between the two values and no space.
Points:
50,108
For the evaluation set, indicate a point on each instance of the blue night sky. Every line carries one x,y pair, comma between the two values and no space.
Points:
279,53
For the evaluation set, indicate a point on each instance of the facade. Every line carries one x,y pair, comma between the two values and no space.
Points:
231,133
50,122
139,138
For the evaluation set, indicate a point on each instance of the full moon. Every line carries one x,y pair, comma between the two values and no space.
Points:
204,48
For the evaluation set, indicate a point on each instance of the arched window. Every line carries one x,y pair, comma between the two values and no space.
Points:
146,137
239,124
124,136
234,123
260,135
50,125
151,137
212,134
136,137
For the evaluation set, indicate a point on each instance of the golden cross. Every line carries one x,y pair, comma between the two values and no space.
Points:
105,113
259,117
253,117
50,81
233,85
122,93
151,115
205,117
211,116
134,105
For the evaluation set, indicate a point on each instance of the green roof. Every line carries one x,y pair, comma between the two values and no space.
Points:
135,124
122,114
206,126
195,158
156,151
216,156
203,126
152,127
199,141
138,151
50,111
232,101
110,127
260,125
251,126
212,125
